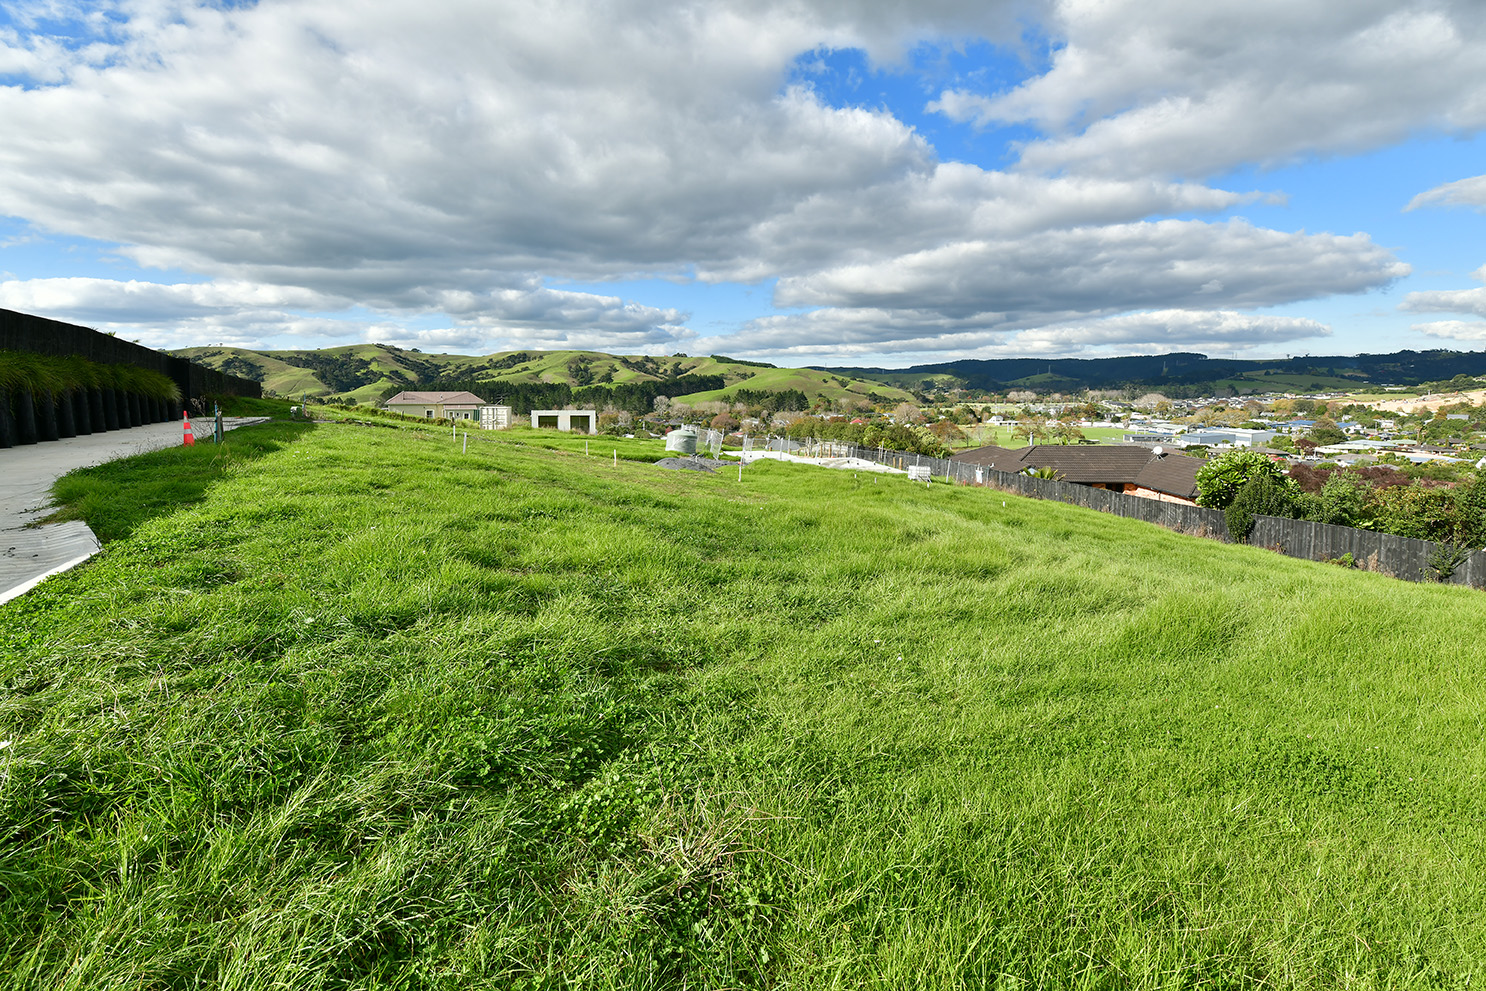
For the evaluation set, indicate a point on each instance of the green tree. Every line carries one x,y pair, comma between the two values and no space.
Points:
1344,500
1418,511
948,432
1067,433
1219,480
1326,431
1034,427
1470,512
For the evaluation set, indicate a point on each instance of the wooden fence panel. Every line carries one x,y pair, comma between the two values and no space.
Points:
1400,557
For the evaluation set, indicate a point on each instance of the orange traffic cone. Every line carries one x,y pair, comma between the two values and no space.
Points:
190,437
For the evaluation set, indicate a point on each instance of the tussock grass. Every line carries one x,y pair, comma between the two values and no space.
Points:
345,707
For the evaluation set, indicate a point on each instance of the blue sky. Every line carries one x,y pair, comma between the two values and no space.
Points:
796,182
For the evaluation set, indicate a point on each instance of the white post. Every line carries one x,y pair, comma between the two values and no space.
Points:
466,442
616,457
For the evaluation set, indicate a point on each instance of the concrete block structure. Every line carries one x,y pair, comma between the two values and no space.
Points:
582,421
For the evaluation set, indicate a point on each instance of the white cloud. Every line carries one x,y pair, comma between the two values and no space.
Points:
1449,300
847,336
951,204
1095,270
1461,192
254,315
1446,301
1457,330
111,301
1165,330
1176,88
439,163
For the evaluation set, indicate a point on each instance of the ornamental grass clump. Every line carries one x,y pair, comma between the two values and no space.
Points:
26,371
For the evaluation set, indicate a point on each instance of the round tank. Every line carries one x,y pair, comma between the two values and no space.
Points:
682,440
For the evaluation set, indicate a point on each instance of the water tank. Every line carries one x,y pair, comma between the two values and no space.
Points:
682,440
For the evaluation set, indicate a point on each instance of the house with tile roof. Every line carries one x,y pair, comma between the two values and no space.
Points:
435,405
1128,468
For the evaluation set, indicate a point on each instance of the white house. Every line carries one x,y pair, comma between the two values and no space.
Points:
433,405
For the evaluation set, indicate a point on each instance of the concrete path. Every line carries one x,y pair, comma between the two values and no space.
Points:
29,553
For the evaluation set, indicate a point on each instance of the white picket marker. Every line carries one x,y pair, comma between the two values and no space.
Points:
466,442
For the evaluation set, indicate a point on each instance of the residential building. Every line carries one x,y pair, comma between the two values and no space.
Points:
436,405
1150,473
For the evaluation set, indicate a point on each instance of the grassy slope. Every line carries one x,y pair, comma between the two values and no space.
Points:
1287,382
808,381
552,366
369,711
280,376
291,380
914,380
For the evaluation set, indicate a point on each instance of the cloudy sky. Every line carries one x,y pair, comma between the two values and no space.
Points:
805,181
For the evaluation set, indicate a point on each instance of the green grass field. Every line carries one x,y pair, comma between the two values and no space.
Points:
1009,436
1257,382
348,707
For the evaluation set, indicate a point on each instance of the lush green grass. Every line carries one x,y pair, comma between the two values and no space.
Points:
368,711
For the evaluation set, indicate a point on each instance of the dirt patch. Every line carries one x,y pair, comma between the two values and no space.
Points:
690,464
1431,402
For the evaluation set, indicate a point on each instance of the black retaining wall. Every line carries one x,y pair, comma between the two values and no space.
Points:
24,332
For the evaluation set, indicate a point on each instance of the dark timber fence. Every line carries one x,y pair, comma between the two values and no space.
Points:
24,332
1400,557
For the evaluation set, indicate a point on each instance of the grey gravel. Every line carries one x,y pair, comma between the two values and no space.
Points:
691,464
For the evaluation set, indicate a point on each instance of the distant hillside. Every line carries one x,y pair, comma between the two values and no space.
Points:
1184,372
364,372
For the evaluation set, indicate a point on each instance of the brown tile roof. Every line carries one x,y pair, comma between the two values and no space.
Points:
1174,474
1090,464
991,456
436,398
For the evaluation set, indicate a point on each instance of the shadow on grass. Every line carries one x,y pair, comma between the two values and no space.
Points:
116,497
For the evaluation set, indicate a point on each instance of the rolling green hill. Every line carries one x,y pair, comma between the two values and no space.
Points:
1182,373
363,372
360,372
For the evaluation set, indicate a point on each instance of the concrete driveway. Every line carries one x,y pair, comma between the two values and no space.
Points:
28,553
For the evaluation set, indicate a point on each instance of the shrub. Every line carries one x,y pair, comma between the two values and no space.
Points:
1343,500
1219,481
1262,495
